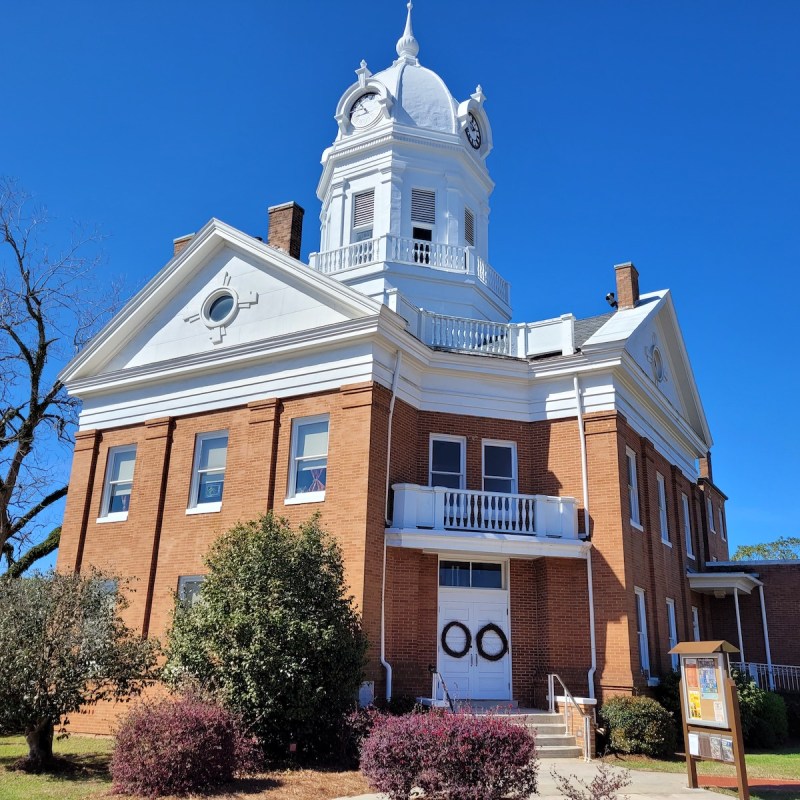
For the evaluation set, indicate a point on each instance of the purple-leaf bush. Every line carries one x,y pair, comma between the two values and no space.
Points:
452,756
178,746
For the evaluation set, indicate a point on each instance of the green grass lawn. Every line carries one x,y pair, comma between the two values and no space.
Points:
91,780
783,762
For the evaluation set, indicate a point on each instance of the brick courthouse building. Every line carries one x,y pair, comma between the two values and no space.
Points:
512,499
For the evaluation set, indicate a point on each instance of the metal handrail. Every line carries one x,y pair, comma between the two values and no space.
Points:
552,677
447,697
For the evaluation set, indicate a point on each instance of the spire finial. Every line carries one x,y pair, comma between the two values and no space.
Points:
407,45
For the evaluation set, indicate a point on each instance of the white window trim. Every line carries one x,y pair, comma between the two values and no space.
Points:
710,515
504,573
370,226
687,526
292,498
643,640
500,443
696,623
672,630
722,532
194,506
444,437
117,516
663,518
633,490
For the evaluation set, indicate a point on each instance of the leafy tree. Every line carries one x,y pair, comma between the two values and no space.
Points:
63,644
787,548
274,634
48,311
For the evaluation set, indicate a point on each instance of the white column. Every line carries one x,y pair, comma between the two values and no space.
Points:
738,622
766,637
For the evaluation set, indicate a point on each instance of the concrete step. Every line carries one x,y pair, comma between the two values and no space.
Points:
543,730
559,751
556,740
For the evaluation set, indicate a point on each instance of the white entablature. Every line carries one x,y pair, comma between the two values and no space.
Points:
405,192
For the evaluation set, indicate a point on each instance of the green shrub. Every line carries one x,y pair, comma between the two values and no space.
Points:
792,702
639,725
763,714
668,693
275,634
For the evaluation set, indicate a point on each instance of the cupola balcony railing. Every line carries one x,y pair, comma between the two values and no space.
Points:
438,508
404,250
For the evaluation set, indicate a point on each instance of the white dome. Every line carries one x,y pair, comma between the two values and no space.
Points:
421,97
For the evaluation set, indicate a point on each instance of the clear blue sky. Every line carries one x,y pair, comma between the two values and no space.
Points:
662,133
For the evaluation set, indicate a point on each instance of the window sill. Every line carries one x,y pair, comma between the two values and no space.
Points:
653,681
666,542
205,508
637,526
309,497
118,517
691,555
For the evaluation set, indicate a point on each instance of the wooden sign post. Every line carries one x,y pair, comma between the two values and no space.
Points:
712,728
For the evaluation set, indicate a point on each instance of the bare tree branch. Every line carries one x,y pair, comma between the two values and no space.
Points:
49,307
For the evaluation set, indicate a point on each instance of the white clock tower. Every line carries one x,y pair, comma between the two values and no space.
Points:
405,193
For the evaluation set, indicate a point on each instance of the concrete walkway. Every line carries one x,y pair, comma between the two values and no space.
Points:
644,785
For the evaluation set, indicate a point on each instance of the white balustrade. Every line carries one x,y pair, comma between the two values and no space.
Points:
470,335
405,250
440,508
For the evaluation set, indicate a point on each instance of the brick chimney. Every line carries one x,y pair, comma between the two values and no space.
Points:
181,242
286,228
705,467
627,285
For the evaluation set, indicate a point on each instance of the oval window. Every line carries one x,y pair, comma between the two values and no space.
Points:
221,308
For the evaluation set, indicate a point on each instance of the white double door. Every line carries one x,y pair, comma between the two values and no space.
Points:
471,676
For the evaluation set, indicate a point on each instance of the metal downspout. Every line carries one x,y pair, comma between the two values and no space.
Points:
384,663
589,577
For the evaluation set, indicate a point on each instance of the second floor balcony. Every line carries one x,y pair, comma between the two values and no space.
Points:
489,522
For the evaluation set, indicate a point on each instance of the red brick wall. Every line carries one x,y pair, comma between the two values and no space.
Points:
159,541
783,608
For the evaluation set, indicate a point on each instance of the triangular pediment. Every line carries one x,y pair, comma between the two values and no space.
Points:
264,294
658,348
652,338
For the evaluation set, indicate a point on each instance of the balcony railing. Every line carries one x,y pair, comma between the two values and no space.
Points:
404,250
776,677
440,508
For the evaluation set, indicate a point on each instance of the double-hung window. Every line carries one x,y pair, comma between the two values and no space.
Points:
500,467
695,623
119,482
208,475
663,520
447,463
687,526
641,632
722,531
710,514
673,630
309,466
633,488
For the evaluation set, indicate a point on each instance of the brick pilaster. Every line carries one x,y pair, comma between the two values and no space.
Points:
79,501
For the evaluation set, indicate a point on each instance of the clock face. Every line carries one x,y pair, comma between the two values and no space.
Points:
473,132
365,110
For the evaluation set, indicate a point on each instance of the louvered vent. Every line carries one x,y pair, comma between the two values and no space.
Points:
423,206
363,208
469,227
